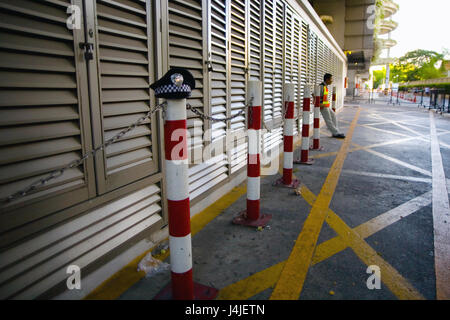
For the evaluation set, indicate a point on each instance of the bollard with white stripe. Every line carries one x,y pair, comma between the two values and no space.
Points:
316,131
177,189
334,99
304,156
252,217
288,140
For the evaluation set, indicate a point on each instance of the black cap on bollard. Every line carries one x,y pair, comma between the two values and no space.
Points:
177,83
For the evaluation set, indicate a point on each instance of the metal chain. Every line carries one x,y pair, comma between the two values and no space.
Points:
205,117
59,172
283,120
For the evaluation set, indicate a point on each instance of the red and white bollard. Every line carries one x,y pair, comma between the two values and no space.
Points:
252,217
316,131
304,156
176,174
289,105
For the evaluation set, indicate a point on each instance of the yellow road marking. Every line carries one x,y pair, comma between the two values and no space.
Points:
250,286
294,272
265,279
441,218
119,282
389,276
200,220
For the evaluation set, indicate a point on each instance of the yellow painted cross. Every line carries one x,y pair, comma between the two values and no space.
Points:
293,276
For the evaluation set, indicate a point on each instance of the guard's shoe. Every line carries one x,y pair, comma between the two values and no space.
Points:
339,136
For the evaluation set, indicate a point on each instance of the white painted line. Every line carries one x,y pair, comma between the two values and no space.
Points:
444,145
388,218
377,175
441,218
399,162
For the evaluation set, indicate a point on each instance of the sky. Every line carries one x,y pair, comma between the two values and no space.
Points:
423,24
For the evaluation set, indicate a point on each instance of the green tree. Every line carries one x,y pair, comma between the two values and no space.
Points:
379,77
418,65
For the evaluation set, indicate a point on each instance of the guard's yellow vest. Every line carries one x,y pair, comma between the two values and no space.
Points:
326,100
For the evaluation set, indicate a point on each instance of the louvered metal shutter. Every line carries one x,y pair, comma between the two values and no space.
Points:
273,73
187,50
44,124
204,176
255,16
320,61
279,64
125,47
312,59
331,62
237,81
288,48
304,59
268,61
218,75
238,61
340,88
33,267
293,57
50,81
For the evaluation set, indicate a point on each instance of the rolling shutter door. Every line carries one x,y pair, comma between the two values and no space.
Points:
125,74
187,50
42,114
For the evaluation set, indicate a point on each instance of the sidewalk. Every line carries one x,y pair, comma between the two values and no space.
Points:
376,202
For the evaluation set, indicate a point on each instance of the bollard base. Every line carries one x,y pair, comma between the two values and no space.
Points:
294,185
242,220
201,292
309,162
321,148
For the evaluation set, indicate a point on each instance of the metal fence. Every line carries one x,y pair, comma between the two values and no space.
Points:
438,99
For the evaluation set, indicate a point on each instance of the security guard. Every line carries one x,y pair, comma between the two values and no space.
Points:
327,113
